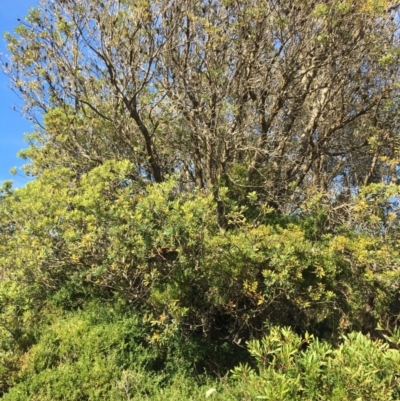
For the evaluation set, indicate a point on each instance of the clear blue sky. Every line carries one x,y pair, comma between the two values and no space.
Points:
12,125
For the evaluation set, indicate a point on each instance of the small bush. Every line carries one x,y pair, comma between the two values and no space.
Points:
85,356
292,368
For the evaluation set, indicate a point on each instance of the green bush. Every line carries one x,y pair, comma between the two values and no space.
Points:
292,368
84,355
188,291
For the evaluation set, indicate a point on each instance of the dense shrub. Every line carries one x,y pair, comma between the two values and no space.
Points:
293,368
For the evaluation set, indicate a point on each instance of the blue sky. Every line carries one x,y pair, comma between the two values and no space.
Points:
12,124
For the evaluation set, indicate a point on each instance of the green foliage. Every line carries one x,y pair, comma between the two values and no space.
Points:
100,353
100,234
162,250
293,368
191,199
187,290
95,354
81,356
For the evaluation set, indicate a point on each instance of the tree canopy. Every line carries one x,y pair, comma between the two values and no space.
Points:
299,94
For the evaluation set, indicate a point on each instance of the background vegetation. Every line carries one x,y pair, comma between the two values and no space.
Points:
215,209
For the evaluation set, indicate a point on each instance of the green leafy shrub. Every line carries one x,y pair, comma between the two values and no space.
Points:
70,238
102,354
85,355
293,368
198,288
